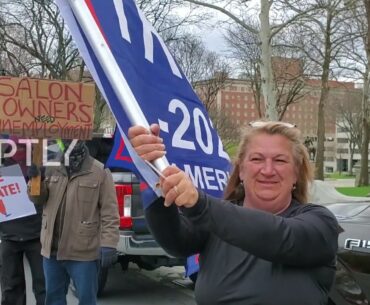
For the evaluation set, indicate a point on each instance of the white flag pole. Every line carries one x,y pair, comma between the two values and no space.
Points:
111,69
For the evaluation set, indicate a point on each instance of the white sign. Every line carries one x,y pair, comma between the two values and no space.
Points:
14,201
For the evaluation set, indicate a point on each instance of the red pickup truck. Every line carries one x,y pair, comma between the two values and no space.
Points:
136,244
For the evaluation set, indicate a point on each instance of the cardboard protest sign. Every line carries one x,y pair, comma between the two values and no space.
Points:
40,108
14,201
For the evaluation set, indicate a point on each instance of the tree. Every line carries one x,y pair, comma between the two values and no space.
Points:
288,64
364,175
321,32
205,70
354,62
265,30
208,73
348,120
36,28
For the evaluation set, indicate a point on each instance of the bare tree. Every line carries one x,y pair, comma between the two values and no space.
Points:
164,16
34,27
227,129
347,111
208,73
322,39
266,30
205,70
364,175
354,62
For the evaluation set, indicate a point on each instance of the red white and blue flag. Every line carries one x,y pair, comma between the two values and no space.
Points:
139,61
143,65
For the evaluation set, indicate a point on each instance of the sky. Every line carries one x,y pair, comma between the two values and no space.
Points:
212,36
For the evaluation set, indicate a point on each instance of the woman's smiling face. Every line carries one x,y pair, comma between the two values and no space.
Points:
268,172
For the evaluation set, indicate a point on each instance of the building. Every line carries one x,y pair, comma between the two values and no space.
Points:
237,101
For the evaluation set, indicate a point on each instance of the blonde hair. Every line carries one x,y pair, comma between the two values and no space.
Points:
235,190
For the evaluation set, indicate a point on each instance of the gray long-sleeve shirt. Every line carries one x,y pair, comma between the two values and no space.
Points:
248,256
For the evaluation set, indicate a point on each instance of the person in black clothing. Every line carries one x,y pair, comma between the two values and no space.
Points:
263,244
21,237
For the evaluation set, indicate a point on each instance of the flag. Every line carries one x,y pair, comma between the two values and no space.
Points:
155,81
143,84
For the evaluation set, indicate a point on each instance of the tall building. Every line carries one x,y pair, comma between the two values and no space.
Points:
237,101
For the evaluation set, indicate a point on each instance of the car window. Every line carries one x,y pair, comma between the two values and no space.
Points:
347,209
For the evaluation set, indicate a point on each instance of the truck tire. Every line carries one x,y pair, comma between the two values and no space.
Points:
102,279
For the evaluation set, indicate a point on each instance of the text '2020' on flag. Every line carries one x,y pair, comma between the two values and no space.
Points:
143,84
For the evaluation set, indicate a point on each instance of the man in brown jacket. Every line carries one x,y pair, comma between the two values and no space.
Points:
79,225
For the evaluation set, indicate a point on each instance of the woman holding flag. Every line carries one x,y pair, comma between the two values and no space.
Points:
262,244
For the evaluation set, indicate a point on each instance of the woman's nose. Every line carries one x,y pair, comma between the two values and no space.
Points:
268,167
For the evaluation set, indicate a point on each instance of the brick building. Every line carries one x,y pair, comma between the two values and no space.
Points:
236,100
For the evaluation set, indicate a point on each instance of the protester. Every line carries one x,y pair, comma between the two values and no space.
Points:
263,244
21,238
80,225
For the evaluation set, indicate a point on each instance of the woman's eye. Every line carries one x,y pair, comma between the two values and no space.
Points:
281,161
256,159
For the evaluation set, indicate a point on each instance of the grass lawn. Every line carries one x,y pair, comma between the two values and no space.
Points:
232,150
360,191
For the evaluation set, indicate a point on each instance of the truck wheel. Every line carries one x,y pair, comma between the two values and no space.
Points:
102,279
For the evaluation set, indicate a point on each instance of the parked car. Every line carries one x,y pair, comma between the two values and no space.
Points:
352,281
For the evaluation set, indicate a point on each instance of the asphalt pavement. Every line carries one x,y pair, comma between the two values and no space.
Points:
163,286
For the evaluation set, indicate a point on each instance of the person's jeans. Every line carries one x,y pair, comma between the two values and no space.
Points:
58,275
13,286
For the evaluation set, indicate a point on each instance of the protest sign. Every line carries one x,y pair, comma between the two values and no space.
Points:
40,108
14,201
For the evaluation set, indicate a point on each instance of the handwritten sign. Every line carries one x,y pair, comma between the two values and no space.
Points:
14,201
42,108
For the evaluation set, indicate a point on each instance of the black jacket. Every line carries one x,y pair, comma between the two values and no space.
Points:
21,229
251,257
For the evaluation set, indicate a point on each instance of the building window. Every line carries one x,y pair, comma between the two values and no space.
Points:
342,151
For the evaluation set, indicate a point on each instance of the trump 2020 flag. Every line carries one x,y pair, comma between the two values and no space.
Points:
123,51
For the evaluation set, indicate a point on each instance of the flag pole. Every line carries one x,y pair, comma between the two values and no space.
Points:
112,70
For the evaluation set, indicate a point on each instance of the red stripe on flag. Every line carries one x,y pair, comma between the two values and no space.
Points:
143,186
119,156
95,16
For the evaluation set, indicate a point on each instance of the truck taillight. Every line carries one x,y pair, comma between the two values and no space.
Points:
124,193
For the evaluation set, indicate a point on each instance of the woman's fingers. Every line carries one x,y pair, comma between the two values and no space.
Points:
136,131
178,188
147,145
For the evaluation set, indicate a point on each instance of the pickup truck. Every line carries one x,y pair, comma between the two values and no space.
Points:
136,244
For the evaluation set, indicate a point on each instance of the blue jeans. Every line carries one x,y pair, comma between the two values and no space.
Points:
57,277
